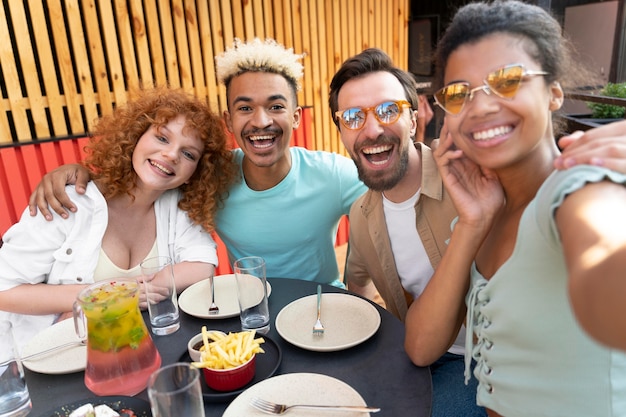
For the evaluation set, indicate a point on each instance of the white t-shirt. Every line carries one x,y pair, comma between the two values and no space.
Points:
412,263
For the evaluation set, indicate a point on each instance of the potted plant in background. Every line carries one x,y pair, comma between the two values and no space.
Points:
606,113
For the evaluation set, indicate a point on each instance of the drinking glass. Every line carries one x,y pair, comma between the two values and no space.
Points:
252,294
158,278
14,396
175,390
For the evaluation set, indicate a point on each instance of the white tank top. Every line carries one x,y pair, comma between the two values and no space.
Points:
106,269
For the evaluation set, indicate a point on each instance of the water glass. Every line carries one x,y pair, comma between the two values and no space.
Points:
14,396
252,294
158,278
175,390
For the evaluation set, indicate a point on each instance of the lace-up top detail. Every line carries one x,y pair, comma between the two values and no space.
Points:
532,357
476,300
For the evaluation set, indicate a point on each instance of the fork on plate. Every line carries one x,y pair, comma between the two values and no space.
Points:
318,329
213,308
277,409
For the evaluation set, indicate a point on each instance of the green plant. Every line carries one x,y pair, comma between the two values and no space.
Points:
609,111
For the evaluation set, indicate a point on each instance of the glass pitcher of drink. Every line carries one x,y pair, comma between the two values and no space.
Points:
120,353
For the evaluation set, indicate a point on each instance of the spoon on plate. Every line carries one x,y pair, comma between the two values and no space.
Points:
213,308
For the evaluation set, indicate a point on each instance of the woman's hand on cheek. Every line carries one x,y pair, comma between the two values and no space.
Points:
447,158
476,192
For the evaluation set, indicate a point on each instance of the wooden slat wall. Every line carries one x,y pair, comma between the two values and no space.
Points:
65,62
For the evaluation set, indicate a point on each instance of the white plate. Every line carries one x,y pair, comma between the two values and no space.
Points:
298,388
195,300
348,320
65,361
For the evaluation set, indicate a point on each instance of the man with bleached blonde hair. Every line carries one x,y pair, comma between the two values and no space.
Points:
260,56
290,200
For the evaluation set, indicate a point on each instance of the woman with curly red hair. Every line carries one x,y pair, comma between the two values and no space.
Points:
160,168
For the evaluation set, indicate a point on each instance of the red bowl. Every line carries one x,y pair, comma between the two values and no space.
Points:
232,378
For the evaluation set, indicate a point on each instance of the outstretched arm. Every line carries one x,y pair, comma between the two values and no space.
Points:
602,146
51,190
593,233
51,299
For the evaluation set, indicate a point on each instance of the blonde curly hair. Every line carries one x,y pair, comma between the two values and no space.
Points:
113,140
259,56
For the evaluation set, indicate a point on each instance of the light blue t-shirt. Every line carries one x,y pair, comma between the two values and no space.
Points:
293,225
533,358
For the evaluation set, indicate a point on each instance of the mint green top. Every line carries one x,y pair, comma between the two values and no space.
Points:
533,358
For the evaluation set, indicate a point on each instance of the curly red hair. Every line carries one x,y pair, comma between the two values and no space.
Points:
113,140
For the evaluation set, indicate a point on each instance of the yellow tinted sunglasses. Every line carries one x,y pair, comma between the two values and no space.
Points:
386,113
503,82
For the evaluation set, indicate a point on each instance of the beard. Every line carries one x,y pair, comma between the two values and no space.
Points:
384,180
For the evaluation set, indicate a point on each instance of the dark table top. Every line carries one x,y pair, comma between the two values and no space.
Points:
378,369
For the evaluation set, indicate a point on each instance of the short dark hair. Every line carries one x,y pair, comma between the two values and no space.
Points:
369,61
538,31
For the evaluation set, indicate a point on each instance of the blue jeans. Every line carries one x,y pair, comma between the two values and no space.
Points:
451,397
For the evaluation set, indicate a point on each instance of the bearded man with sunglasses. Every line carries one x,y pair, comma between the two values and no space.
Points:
399,228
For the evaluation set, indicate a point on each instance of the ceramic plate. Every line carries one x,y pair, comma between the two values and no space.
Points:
195,300
348,320
266,365
65,361
298,388
140,407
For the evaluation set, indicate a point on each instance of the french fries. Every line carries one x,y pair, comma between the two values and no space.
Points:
227,351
